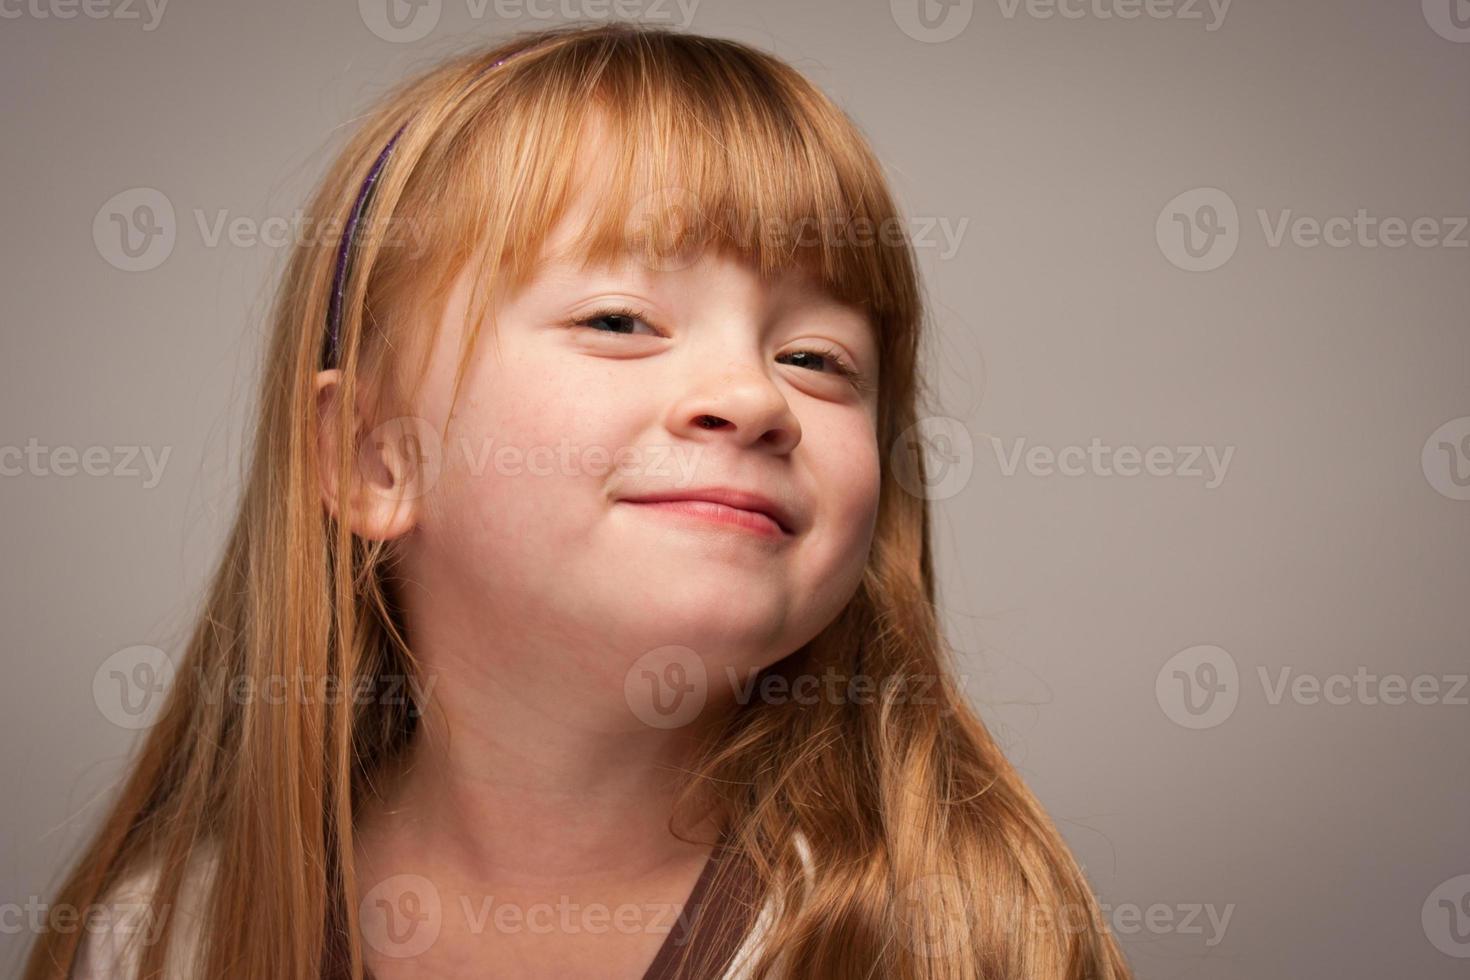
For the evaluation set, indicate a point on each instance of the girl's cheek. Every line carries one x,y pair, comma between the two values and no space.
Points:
521,443
866,485
849,459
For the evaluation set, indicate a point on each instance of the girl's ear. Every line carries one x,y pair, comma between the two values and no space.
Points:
387,475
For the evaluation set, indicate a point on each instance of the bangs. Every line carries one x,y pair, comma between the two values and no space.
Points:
692,144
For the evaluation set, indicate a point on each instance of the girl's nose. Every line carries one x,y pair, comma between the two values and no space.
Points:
744,405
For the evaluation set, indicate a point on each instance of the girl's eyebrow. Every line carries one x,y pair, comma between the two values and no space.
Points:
568,274
806,293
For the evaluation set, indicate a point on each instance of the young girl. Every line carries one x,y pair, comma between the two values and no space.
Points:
600,642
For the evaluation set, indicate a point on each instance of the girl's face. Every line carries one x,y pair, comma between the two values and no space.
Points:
600,384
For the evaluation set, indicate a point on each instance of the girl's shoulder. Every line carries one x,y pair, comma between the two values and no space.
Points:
126,923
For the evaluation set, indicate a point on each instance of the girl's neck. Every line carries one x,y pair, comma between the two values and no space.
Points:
508,801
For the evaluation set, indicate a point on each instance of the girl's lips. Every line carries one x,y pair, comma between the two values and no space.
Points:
708,511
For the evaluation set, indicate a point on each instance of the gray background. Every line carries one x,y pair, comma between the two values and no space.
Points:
1330,546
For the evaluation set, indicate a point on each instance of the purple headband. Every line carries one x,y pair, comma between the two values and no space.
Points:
349,233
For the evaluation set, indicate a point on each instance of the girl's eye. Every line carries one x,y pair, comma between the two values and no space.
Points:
833,357
822,359
614,321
